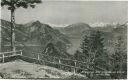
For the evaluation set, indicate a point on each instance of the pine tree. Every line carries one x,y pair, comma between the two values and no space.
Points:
12,5
85,46
92,48
78,55
99,55
119,59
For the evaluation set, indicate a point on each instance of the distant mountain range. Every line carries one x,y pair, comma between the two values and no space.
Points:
75,32
63,38
102,24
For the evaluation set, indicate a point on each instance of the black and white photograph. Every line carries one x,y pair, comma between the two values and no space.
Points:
63,39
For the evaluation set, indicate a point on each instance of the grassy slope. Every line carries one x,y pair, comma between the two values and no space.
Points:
22,69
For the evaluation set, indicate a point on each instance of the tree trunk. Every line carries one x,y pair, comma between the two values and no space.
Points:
13,30
0,38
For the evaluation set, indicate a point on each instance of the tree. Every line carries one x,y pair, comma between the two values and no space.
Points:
99,57
91,44
78,56
119,59
51,50
0,38
92,48
12,5
61,46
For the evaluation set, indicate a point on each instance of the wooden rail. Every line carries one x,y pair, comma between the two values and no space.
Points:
4,55
75,61
57,63
60,60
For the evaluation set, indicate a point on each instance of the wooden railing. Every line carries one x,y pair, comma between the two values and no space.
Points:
76,62
4,55
59,61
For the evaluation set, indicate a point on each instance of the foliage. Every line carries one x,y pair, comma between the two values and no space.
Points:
92,51
56,50
119,59
13,4
93,48
77,55
51,50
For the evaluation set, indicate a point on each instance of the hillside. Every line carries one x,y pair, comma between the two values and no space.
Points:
38,37
30,70
40,31
110,35
74,32
34,37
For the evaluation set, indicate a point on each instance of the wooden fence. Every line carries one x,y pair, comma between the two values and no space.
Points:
4,55
62,62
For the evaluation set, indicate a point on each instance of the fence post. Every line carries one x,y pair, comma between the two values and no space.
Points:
3,58
60,63
75,67
21,53
38,57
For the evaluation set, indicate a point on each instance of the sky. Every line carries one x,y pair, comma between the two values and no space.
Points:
68,12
